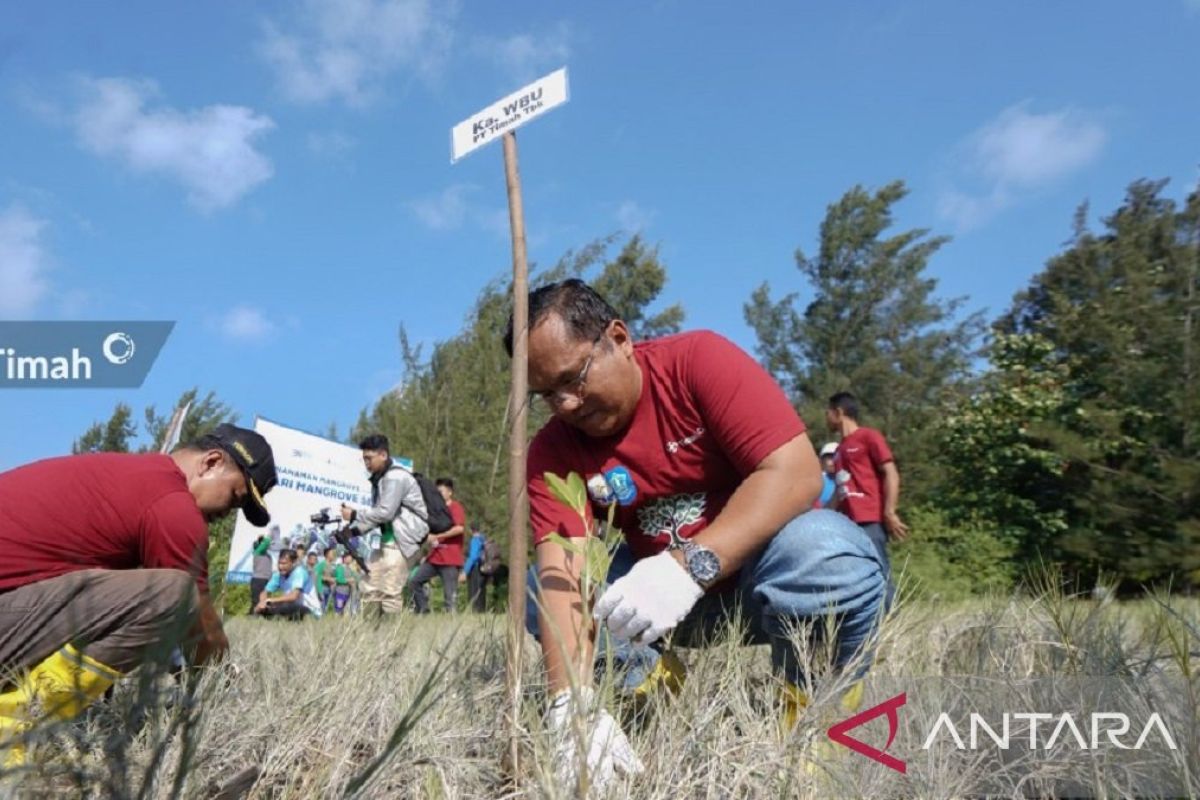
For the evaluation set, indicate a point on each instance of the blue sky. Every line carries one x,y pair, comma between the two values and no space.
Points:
275,176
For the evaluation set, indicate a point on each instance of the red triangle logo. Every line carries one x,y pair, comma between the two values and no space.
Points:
838,732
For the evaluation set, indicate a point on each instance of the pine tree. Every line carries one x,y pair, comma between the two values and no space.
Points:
873,326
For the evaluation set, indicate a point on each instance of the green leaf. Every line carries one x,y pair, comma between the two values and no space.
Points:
598,559
570,492
578,490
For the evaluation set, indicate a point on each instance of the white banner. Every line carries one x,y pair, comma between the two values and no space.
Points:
508,114
314,473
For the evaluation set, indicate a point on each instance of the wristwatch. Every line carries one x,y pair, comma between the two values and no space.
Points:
702,564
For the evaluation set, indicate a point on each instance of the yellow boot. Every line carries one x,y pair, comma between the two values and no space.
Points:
14,722
796,700
68,682
65,684
669,673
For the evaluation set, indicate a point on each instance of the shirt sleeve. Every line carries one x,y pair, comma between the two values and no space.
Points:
272,585
392,488
878,450
746,410
297,580
546,513
458,514
175,536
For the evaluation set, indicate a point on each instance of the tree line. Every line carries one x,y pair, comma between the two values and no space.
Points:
1064,432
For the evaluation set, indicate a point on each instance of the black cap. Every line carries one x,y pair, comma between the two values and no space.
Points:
251,452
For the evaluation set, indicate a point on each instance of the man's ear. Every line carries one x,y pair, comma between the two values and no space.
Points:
211,461
618,332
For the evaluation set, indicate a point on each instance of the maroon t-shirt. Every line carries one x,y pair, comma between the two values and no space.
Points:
102,511
858,466
707,416
449,552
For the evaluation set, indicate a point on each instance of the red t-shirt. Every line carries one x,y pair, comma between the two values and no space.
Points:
449,552
102,511
707,416
859,470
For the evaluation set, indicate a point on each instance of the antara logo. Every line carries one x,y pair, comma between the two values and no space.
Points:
1004,734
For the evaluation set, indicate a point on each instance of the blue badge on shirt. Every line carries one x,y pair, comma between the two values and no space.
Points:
622,485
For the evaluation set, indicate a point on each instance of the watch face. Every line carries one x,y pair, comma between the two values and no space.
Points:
703,564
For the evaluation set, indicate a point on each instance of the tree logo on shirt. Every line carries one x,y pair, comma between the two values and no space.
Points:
671,515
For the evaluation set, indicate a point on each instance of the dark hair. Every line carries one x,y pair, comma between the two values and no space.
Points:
290,555
447,482
847,402
584,311
376,441
329,550
202,445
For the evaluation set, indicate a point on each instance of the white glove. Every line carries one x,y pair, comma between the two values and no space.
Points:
649,601
608,750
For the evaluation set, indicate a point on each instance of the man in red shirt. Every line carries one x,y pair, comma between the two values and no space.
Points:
708,471
103,564
445,557
867,478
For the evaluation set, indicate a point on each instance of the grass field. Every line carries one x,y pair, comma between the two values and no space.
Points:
414,707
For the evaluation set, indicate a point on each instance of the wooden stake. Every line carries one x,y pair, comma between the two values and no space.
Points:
518,497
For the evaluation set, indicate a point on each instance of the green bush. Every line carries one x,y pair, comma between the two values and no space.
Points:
941,560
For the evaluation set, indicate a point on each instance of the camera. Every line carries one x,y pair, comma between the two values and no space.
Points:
341,534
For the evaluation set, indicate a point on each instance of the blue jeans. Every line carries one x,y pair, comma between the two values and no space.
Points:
819,566
879,539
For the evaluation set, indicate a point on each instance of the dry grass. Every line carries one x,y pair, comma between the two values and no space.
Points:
413,707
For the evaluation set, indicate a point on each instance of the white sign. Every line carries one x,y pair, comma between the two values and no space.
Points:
314,473
508,114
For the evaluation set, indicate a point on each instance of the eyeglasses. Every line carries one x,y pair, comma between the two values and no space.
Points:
572,389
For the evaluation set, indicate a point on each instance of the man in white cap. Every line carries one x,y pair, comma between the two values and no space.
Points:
828,470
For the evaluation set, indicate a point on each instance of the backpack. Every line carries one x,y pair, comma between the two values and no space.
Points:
438,513
492,557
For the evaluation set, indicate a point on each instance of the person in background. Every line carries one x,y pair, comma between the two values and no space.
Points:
345,584
470,575
287,584
829,486
445,555
324,578
868,481
398,513
262,566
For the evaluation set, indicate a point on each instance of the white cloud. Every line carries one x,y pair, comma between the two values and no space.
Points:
346,49
633,218
1016,152
24,263
446,211
209,151
527,56
247,324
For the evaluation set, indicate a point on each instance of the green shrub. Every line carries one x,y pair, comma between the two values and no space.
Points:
941,560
